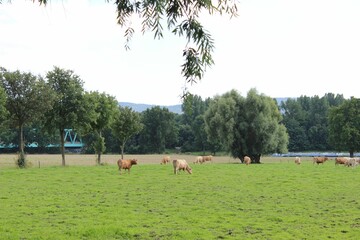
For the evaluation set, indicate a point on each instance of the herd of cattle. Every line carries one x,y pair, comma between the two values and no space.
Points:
178,164
181,164
346,161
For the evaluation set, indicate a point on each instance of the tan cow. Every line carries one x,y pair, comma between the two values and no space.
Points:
207,158
199,159
341,160
297,160
319,160
352,162
126,164
165,160
247,160
181,164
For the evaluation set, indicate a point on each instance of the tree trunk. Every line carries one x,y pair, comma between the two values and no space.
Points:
98,158
21,162
122,147
351,153
100,149
122,150
21,139
62,147
255,158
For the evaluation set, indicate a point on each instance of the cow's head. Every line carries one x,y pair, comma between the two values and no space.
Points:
189,170
133,161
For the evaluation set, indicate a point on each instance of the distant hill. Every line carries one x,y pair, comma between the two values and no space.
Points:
140,107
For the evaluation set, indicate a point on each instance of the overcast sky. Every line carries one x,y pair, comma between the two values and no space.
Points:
283,48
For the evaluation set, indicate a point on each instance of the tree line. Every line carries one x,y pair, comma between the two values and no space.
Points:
39,109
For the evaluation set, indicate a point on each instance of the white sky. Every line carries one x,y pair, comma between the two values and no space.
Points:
283,48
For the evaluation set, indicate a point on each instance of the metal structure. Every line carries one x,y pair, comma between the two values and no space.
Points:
71,141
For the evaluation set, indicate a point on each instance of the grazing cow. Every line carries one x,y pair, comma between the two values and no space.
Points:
297,160
319,160
207,158
126,164
181,164
247,160
352,162
341,160
165,160
199,159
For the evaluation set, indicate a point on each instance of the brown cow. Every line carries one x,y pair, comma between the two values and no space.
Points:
126,164
341,160
207,158
247,160
297,160
165,160
319,160
181,164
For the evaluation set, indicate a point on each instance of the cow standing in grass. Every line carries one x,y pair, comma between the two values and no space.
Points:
352,162
165,160
126,164
207,158
297,160
319,160
341,160
199,159
181,164
247,160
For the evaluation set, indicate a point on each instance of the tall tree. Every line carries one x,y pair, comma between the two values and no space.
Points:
344,126
67,108
306,121
294,118
193,114
159,129
3,111
126,124
248,126
28,98
105,106
220,118
182,20
317,117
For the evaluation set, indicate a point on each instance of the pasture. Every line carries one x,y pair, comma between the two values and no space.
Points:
222,200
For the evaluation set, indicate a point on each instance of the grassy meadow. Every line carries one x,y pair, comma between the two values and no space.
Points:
222,200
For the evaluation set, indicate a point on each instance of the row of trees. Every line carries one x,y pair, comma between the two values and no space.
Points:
323,123
55,103
253,125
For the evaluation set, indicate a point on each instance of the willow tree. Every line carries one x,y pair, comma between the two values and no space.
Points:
248,126
28,98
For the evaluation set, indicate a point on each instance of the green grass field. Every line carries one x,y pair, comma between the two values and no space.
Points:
274,200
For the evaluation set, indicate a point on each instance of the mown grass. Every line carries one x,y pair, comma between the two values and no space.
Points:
218,201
